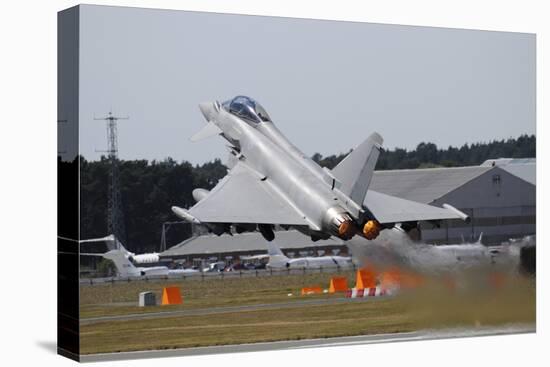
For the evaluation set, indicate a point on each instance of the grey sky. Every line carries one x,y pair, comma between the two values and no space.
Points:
327,85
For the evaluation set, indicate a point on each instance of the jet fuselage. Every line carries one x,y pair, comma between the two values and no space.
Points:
271,182
307,187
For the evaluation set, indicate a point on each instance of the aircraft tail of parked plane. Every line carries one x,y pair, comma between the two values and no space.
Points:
113,243
276,256
273,249
356,170
123,265
122,259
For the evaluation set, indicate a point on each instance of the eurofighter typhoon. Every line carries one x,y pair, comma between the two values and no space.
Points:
271,183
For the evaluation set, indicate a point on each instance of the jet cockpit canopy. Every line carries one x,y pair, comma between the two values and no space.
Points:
246,108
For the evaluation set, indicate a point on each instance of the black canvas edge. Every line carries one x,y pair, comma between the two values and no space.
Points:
68,206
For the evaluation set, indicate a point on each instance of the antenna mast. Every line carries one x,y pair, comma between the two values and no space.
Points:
115,215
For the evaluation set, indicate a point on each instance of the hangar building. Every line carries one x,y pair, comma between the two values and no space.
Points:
498,195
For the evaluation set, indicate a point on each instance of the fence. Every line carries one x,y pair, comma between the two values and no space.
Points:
201,276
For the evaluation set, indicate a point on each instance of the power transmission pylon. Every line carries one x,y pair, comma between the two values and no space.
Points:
115,214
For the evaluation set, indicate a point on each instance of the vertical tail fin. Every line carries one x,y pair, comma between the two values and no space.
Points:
356,170
480,238
276,257
123,265
273,249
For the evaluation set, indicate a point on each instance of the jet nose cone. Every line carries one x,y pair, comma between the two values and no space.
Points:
208,110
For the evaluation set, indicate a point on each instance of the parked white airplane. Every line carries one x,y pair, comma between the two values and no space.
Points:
123,258
126,269
278,260
114,243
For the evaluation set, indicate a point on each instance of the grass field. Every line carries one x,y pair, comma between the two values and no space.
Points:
431,306
121,298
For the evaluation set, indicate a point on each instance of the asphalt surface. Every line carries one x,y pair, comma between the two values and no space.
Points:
317,343
217,310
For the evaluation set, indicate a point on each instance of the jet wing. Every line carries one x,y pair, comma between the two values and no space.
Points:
391,209
243,197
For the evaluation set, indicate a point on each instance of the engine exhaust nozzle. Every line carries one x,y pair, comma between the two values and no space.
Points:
340,223
346,229
371,229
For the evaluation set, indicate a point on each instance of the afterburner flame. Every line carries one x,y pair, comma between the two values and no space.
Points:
371,229
346,230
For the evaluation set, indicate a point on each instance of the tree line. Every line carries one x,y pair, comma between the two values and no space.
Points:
150,188
428,155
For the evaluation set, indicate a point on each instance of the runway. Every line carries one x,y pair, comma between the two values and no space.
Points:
317,343
217,310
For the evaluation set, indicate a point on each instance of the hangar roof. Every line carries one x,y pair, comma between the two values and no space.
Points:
429,184
249,241
527,172
424,185
524,168
507,161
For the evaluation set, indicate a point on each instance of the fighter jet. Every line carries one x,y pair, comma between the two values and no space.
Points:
272,183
